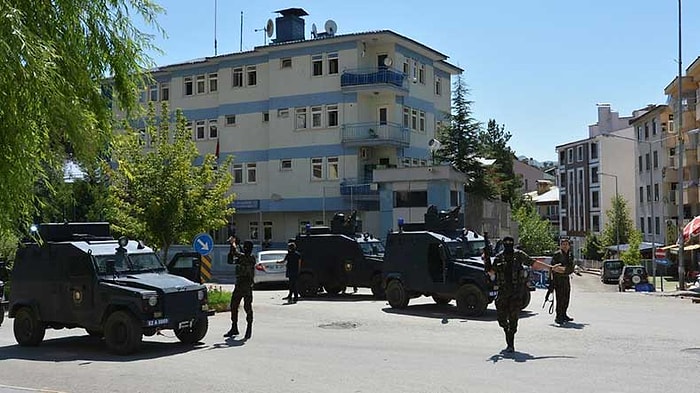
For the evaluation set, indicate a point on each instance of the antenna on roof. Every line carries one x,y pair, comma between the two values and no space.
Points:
241,47
215,52
314,32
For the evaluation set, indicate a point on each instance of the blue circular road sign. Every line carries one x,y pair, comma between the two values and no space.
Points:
203,244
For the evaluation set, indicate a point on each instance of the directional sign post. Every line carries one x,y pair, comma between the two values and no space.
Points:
203,244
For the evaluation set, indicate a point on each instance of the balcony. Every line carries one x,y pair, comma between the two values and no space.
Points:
375,134
670,174
373,79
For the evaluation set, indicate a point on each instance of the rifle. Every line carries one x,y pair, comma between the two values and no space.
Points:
550,289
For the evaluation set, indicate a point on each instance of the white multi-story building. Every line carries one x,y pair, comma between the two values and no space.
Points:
309,120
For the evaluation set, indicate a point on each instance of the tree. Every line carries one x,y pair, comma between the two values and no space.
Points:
592,249
633,256
494,145
536,235
54,56
618,218
460,140
158,194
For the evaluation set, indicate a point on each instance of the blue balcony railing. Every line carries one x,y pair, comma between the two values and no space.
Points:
357,187
374,134
373,76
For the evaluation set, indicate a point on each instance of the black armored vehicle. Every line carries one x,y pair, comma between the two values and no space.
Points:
338,257
436,259
76,275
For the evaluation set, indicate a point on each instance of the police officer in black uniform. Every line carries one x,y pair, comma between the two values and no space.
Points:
511,280
245,270
293,260
562,267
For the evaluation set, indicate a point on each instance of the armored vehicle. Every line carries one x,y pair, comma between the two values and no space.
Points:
3,302
337,257
76,275
436,259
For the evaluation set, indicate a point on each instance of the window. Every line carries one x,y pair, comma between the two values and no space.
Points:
648,192
317,65
283,112
238,173
647,161
252,76
316,117
285,165
570,155
415,71
286,62
653,126
639,158
230,120
188,127
414,119
594,175
301,118
332,115
406,67
265,117
656,191
406,116
252,172
595,199
641,224
213,129
153,93
213,82
438,86
200,128
646,130
267,230
562,157
657,227
649,224
579,153
410,198
595,223
201,84
165,91
238,77
594,151
253,230
641,194
639,133
188,86
316,168
332,63
332,168
421,122
421,74
656,159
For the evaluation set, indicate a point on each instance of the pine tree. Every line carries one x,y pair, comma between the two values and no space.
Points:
494,145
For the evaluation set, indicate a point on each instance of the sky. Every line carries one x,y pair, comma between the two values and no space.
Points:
539,66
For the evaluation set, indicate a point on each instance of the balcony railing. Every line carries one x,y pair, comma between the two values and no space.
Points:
375,134
373,76
357,187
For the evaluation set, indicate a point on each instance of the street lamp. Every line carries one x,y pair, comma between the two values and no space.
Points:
681,213
617,212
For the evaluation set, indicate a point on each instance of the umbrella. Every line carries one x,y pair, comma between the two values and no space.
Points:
692,229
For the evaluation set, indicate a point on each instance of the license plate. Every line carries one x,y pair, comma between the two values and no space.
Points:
156,322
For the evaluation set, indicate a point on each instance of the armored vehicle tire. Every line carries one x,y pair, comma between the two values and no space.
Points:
123,333
29,331
377,287
526,299
396,294
95,333
194,334
441,300
470,300
306,285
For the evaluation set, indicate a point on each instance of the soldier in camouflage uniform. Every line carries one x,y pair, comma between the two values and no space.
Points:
511,280
245,270
563,266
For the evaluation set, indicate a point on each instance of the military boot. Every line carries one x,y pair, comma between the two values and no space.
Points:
233,331
249,330
510,340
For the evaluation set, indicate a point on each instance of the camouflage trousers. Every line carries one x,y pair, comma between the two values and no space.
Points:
245,294
507,311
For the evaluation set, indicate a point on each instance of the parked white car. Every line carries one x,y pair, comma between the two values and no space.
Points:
268,269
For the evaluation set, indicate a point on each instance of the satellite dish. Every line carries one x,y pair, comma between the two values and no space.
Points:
434,145
331,27
313,30
388,62
270,28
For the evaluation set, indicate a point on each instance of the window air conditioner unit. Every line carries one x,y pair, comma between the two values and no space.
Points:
365,153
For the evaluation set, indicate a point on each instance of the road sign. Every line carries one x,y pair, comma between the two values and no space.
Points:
660,254
203,244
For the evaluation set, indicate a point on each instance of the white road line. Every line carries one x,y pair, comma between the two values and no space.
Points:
11,389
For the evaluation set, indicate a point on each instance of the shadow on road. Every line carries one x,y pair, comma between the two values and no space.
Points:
90,349
230,342
345,297
522,357
447,312
570,325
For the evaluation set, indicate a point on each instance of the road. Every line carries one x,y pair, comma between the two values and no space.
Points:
619,342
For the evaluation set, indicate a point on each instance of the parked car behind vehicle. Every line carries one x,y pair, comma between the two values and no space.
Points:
632,276
268,269
612,268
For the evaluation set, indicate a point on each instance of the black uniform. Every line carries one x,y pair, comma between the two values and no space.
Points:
293,258
245,271
561,283
511,280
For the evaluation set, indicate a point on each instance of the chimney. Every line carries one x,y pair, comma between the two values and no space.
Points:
290,26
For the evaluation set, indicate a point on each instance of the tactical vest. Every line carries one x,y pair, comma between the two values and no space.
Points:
515,263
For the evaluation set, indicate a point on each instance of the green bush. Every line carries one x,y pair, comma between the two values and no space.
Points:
219,299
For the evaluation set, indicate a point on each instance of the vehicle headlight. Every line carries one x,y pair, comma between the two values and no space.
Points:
200,295
152,301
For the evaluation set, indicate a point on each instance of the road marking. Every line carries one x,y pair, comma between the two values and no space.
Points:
10,389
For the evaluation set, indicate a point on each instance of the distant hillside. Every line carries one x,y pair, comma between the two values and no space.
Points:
535,163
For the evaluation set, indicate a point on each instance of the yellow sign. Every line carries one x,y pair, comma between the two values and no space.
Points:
205,268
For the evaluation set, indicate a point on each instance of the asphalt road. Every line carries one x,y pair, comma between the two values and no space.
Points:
619,342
